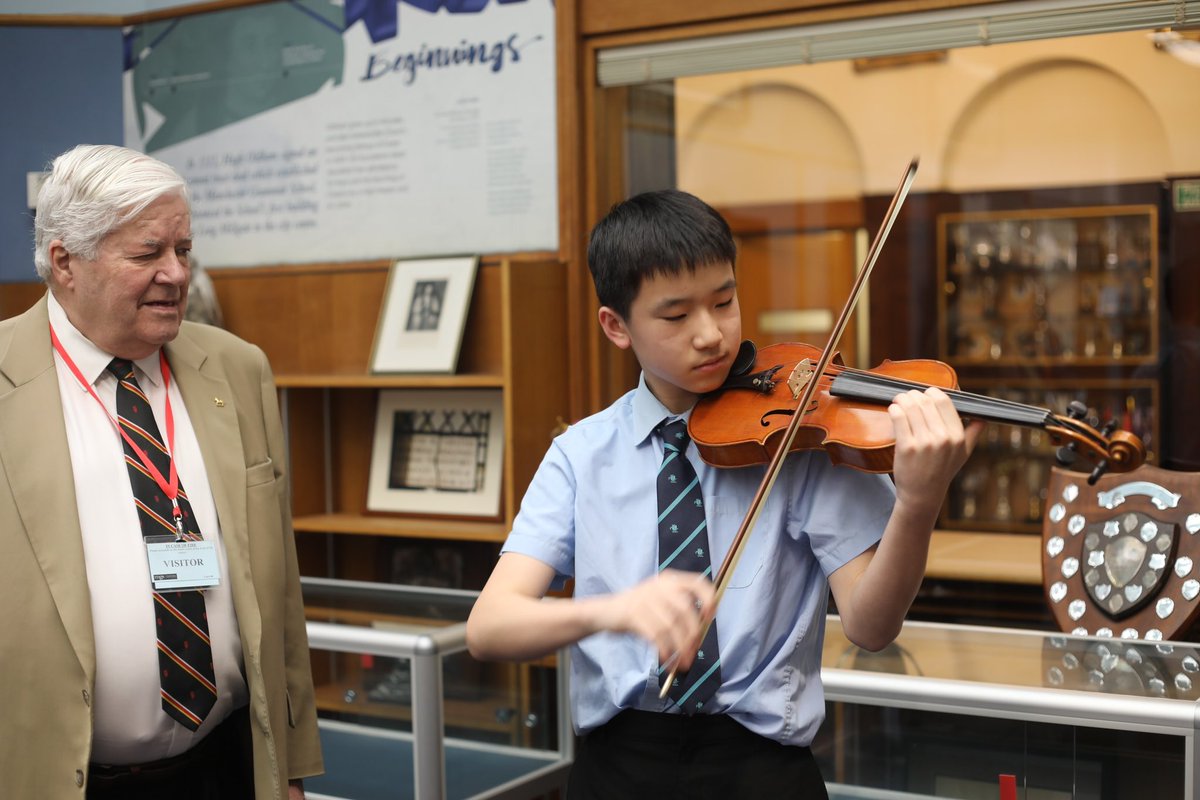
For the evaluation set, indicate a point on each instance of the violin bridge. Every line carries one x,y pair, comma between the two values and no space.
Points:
802,373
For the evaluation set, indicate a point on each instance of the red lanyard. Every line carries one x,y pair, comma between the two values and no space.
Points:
169,488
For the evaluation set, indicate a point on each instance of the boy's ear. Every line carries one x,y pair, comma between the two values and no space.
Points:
614,328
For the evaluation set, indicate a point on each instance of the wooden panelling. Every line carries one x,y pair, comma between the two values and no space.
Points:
613,371
306,322
631,21
305,412
322,321
405,527
784,273
572,96
903,286
537,363
610,16
776,218
16,298
352,433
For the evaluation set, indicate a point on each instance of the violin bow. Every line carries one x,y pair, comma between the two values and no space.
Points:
721,581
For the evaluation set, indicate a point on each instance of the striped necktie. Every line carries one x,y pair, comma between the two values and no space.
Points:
188,681
683,545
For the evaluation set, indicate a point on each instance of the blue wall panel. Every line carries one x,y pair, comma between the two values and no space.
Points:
60,87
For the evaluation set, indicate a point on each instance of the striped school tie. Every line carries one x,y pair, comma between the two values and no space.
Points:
186,675
683,545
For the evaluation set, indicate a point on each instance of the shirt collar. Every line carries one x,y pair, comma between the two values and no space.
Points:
91,360
648,412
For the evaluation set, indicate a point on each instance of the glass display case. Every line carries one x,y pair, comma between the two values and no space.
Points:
1046,307
405,712
1064,286
948,709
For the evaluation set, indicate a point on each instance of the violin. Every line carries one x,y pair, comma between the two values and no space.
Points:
743,422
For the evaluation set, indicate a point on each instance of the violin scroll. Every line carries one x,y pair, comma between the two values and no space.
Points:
1109,449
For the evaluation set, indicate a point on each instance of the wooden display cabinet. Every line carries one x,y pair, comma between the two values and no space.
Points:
1073,286
317,325
1044,307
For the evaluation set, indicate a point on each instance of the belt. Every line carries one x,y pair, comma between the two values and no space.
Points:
676,727
213,749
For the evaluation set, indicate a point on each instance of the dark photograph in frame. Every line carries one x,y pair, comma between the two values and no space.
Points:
423,316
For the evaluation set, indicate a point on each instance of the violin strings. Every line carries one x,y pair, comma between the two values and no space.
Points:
886,380
883,388
1045,416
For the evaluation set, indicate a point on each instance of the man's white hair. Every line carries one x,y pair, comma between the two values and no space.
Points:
91,191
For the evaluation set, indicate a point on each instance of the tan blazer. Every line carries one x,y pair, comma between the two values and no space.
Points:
47,650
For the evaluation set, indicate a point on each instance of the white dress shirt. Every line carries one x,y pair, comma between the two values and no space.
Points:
130,725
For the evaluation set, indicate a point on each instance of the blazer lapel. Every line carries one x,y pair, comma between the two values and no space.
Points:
37,461
202,383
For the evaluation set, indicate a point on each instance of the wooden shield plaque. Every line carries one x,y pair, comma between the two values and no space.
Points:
1122,558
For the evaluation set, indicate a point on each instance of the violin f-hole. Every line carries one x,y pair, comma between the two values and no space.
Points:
784,412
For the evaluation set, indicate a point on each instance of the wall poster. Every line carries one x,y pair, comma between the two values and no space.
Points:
317,130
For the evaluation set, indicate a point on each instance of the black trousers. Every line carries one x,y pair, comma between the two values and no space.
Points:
219,767
662,756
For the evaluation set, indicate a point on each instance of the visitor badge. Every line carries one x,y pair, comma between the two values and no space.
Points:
183,565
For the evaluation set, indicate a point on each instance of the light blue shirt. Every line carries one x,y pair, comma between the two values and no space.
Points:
591,513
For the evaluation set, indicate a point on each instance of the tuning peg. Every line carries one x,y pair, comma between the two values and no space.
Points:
1065,455
1109,427
1077,409
1100,469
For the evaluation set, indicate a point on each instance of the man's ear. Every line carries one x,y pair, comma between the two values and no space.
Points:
60,264
614,328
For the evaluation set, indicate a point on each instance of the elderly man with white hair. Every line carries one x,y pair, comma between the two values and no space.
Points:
154,641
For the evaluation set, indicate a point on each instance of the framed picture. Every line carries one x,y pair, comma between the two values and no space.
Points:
424,310
438,452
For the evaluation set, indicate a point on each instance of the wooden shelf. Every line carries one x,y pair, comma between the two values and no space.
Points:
987,557
468,530
414,381
474,714
1052,361
317,326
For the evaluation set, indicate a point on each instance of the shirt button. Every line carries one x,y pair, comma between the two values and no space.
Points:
87,698
79,777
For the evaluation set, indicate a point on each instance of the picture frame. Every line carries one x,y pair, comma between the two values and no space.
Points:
423,315
438,452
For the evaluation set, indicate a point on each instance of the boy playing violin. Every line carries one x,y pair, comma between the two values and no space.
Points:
743,710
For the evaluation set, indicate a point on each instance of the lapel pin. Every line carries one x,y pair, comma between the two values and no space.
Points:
218,402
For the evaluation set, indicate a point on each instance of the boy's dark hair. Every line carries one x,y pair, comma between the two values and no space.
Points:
654,233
